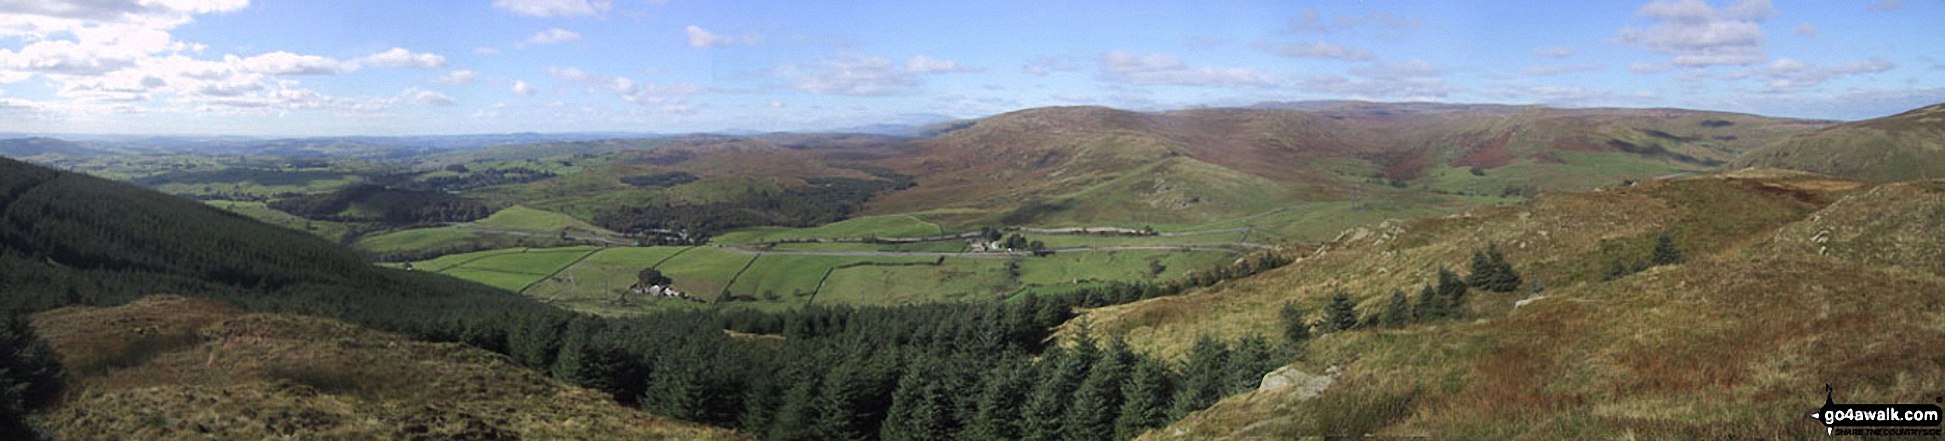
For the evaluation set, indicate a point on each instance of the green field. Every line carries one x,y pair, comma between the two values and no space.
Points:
874,226
508,269
1108,266
333,231
959,279
936,246
421,239
523,218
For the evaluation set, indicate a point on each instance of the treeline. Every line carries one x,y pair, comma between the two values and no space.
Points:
915,372
392,206
469,179
669,179
821,201
1444,298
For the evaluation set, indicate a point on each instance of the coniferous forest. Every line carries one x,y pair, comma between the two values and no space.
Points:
974,371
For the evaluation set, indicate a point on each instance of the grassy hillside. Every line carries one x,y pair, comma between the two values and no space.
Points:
1788,276
1905,146
1081,165
169,367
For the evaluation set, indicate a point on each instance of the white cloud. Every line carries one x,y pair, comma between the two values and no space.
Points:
555,35
1413,79
522,88
1317,49
1554,52
1886,5
1311,21
566,73
851,74
486,50
553,8
924,64
1647,68
702,38
1806,29
1568,96
457,76
1699,34
1787,75
399,57
427,98
1163,69
1564,68
1046,64
286,63
628,89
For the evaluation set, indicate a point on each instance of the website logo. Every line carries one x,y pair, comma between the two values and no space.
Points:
1876,419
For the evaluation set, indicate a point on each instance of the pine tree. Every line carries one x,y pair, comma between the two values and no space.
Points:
1504,278
1340,314
1202,377
998,409
1665,251
1482,270
1428,306
1616,271
1045,412
1397,312
1248,361
921,407
1144,403
1452,292
1295,328
30,376
836,408
1097,400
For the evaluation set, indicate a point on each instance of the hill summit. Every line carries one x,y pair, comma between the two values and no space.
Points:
1909,145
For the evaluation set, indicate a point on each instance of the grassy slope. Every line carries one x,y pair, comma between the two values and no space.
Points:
333,231
1733,342
1909,145
862,227
144,370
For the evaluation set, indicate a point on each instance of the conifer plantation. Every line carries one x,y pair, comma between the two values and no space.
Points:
979,370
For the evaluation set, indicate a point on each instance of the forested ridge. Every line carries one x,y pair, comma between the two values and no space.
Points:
977,371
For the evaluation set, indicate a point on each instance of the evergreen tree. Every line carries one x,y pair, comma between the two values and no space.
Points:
1340,314
1248,361
921,407
836,409
1452,292
1045,412
1504,278
1482,270
30,377
1203,375
1429,305
1295,328
1144,403
1665,251
1397,311
998,410
1616,270
1491,272
1097,400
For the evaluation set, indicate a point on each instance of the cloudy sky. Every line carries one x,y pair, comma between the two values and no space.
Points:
290,68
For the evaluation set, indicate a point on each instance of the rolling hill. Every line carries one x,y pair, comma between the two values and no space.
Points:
170,367
1056,164
1909,145
1787,286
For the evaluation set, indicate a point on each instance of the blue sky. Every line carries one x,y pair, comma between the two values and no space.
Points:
296,68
